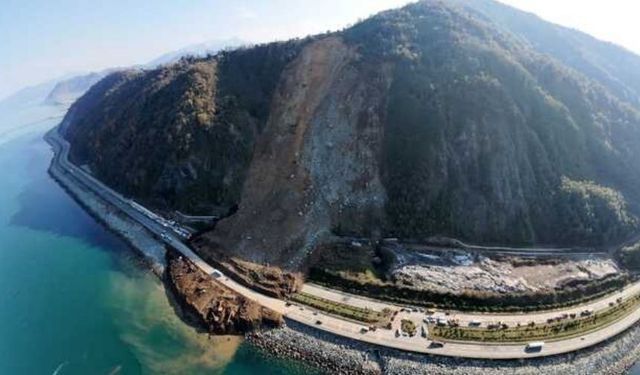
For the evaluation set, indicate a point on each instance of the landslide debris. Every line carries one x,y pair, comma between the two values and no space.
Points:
214,306
269,280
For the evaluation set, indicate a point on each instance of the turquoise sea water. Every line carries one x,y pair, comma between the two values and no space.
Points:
73,299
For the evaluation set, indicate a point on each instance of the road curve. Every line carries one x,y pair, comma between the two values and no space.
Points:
329,323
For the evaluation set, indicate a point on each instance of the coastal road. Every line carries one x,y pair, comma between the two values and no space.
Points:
340,327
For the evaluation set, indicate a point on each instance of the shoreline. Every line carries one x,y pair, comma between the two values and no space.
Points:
332,353
335,354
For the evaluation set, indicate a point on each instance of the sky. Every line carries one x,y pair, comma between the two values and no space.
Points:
42,40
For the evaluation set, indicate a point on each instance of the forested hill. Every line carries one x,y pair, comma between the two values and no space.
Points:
610,65
466,119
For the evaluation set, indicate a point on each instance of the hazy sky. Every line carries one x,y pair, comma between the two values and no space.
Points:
45,39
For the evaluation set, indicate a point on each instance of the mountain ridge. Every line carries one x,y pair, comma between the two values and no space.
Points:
432,119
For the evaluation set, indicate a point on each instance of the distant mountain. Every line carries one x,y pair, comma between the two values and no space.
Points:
466,119
197,50
28,96
68,90
25,110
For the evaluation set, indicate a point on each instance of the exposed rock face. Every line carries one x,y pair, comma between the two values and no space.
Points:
434,119
216,307
315,164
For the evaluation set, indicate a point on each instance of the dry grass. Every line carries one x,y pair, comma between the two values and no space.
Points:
346,311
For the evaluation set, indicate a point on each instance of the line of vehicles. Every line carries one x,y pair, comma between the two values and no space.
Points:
532,347
169,224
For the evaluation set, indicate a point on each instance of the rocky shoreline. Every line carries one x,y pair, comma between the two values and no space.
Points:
334,354
337,355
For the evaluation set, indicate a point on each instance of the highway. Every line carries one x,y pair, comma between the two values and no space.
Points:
340,327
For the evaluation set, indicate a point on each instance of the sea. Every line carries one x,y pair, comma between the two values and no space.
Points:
74,298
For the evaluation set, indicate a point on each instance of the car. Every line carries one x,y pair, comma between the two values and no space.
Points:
364,330
318,322
436,344
535,346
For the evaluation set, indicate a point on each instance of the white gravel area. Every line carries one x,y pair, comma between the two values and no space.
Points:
457,272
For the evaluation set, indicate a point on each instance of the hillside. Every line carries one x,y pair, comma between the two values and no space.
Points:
608,64
439,118
197,50
67,91
179,136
